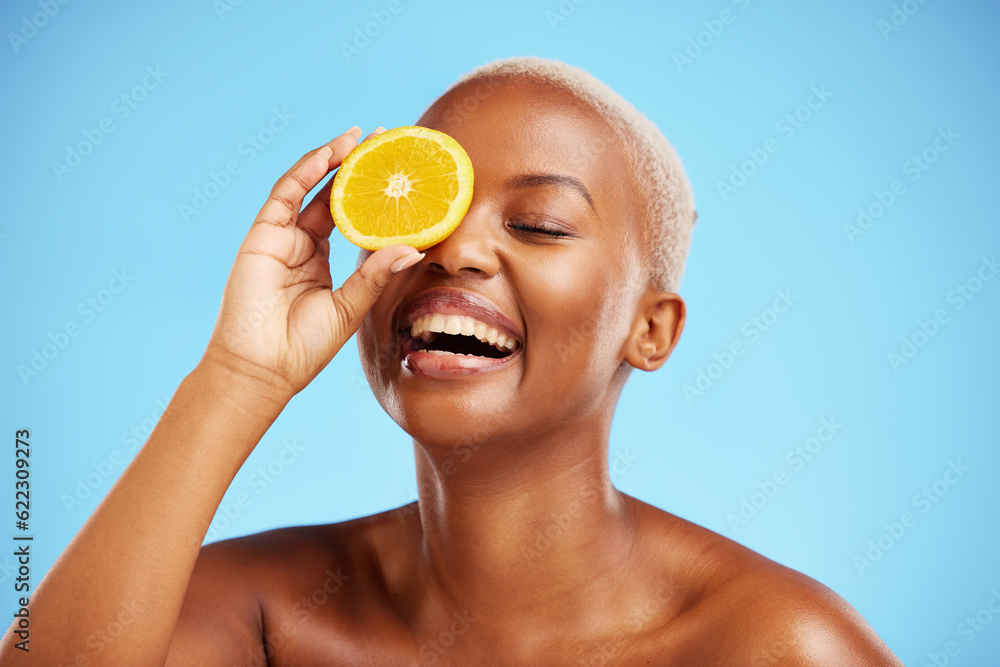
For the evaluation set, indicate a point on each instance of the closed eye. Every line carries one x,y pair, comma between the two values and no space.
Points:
540,229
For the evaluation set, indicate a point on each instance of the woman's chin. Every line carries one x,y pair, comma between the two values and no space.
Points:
449,420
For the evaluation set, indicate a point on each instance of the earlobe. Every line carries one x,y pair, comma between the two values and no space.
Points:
658,324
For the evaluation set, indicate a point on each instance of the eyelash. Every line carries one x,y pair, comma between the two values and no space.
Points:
548,231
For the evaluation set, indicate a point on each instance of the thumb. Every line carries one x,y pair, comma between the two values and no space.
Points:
352,301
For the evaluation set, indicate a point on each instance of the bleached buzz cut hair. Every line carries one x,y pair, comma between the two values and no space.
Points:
657,169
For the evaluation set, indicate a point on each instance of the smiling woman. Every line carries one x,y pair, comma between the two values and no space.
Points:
502,351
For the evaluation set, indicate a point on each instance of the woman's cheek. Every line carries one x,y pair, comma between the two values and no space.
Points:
374,353
578,306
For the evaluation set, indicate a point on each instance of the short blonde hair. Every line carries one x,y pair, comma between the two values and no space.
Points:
657,169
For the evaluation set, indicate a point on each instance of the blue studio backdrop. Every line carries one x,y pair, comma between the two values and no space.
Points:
832,403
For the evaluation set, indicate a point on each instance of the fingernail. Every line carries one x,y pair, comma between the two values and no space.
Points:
326,152
379,129
354,132
406,262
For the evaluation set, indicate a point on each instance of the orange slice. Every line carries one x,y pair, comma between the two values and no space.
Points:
409,185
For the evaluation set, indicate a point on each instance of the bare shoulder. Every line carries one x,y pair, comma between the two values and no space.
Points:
251,596
782,617
745,609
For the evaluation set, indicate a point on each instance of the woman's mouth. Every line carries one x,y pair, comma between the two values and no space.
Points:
442,337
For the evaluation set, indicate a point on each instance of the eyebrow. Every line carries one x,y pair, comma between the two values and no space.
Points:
559,180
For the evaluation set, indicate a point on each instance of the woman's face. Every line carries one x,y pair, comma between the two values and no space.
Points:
568,294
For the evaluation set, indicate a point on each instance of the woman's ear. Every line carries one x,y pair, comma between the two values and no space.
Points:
656,329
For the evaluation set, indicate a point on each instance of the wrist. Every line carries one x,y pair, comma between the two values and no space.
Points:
249,388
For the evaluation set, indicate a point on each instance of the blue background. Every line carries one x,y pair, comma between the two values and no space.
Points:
857,295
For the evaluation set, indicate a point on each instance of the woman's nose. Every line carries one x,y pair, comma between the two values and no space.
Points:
471,248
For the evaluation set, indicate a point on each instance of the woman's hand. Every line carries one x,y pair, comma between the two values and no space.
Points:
281,322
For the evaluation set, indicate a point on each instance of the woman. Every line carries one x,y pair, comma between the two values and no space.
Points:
519,551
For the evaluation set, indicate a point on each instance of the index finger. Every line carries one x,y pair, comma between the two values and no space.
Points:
316,215
283,204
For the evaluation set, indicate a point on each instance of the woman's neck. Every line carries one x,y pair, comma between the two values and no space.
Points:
515,526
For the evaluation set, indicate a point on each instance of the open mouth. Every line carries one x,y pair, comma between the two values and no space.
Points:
447,333
462,335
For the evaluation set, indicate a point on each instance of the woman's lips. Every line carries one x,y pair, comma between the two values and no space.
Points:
449,301
443,366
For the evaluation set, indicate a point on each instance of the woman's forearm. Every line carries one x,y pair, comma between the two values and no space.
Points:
114,595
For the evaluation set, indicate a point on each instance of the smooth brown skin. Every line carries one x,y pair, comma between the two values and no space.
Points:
467,576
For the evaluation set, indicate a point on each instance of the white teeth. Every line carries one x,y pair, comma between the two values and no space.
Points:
453,325
427,326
